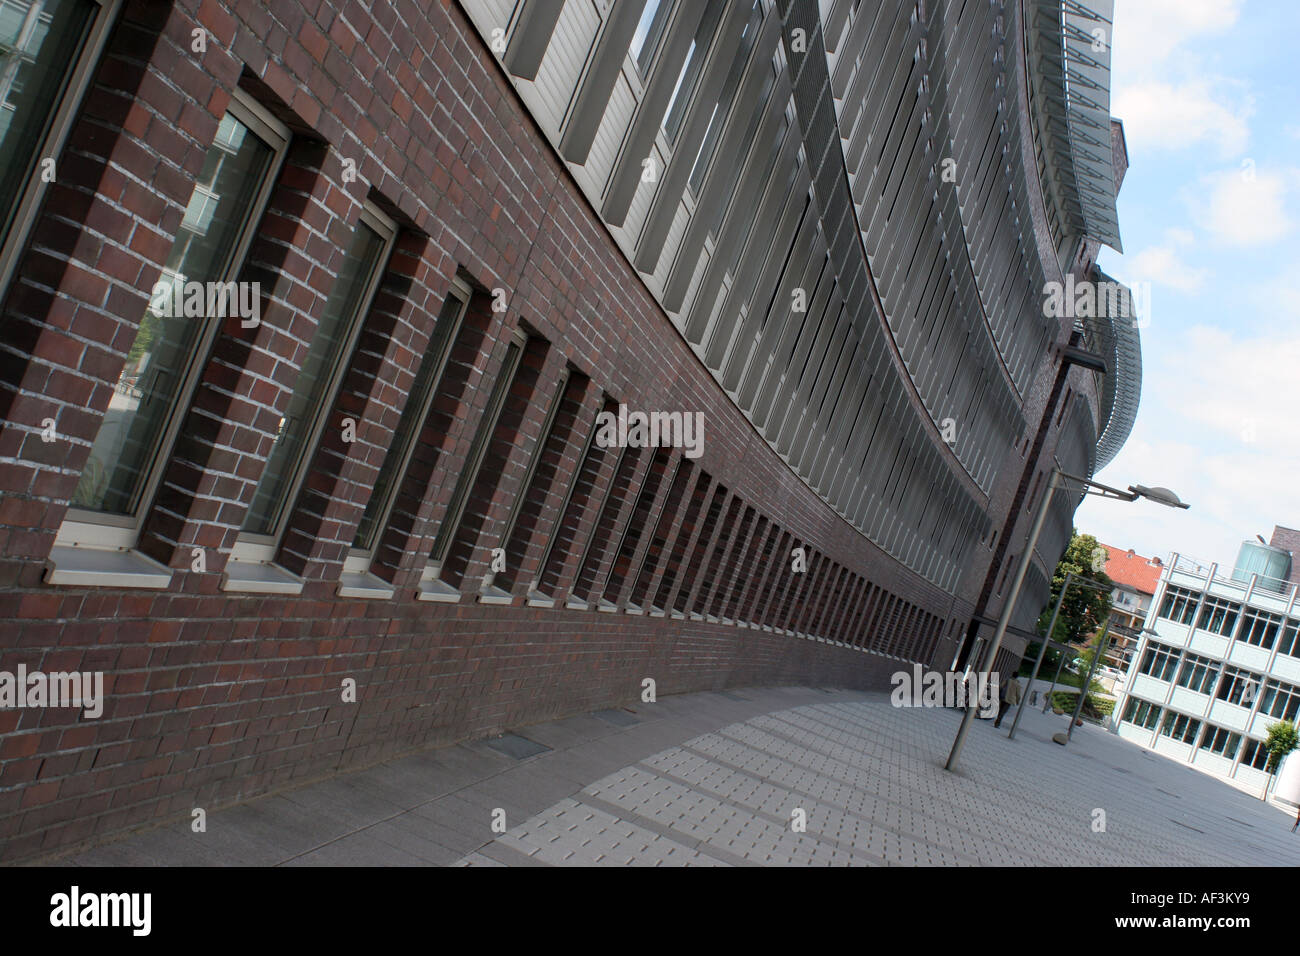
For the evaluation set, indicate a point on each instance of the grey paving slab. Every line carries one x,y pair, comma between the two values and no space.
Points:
770,777
619,718
358,849
516,746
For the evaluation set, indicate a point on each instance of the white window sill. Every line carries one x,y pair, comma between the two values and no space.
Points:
495,595
363,584
256,578
576,605
538,599
103,568
632,609
608,607
440,591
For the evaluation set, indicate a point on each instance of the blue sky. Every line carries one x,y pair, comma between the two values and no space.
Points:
1210,216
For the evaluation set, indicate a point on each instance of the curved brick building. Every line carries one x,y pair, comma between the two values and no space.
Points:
330,331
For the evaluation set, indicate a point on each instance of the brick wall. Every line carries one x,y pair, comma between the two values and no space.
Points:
214,696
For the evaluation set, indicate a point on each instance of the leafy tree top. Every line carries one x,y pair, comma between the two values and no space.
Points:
1084,608
1282,739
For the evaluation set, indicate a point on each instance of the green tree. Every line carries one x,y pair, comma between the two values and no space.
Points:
1282,739
1084,608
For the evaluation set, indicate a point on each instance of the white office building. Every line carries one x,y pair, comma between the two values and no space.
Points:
1218,662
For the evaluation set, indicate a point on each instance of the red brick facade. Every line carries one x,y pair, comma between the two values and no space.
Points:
213,696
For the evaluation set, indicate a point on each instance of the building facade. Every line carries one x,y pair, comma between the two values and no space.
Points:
1135,580
1220,661
314,316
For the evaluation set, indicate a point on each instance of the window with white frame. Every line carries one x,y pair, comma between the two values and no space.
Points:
1280,700
1221,741
1238,686
1198,673
1218,616
1260,628
165,360
317,382
1179,605
1180,727
1159,661
1255,755
1142,713
1288,644
48,50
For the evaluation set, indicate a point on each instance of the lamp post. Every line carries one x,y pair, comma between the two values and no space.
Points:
1070,576
1162,495
1102,640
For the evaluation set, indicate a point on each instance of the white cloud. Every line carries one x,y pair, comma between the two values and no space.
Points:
1163,266
1162,25
1276,300
1245,207
1159,115
1218,426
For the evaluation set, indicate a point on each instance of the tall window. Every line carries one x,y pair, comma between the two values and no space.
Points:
47,50
438,579
380,504
1198,674
1180,727
1221,741
1255,755
1179,605
1219,616
1142,713
1238,686
691,69
164,361
317,382
1159,661
654,17
1280,700
722,108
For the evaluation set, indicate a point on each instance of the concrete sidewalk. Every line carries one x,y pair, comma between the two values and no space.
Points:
784,776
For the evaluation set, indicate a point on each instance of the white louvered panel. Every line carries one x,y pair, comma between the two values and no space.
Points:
489,15
562,65
675,233
696,278
613,127
645,192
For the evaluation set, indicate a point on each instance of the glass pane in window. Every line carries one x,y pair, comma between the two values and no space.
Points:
695,56
39,44
648,31
149,386
408,426
332,336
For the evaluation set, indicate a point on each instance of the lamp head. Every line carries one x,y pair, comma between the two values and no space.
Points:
1161,495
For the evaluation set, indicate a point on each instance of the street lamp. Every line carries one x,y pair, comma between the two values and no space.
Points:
1161,495
1070,577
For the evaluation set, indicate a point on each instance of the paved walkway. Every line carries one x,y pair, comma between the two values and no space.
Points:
785,776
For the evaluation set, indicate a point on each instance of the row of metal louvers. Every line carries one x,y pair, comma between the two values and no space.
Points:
744,176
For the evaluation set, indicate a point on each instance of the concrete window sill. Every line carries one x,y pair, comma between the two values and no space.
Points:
251,577
439,591
495,595
103,568
363,584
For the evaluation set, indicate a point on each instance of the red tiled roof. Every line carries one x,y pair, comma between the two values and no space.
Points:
1130,569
